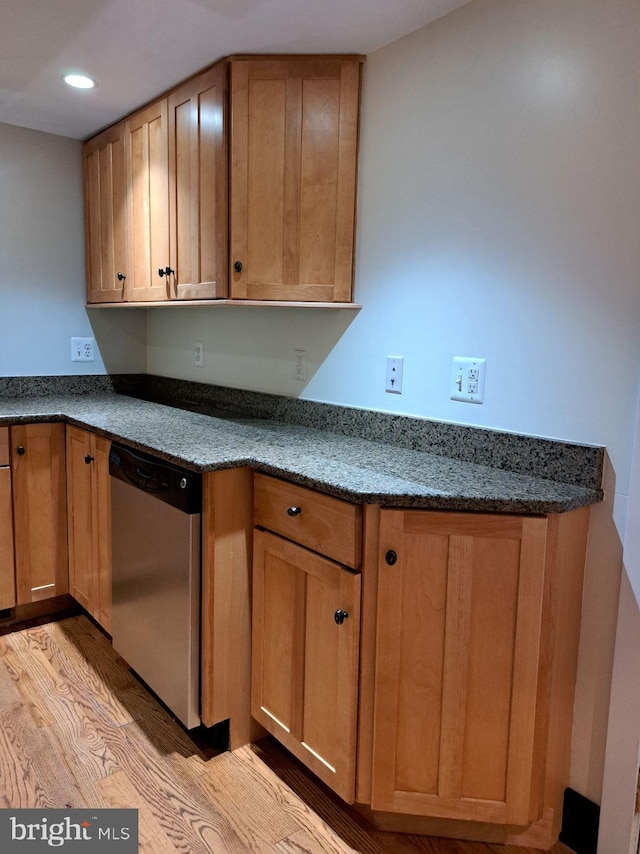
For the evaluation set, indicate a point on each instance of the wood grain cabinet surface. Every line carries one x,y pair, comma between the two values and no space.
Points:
105,213
39,511
89,522
7,563
476,651
146,157
157,187
306,628
294,135
198,186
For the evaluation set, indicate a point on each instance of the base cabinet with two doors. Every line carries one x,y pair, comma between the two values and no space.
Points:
421,663
448,708
241,182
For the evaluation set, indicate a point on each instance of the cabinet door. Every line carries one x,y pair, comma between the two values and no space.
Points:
80,526
105,211
7,565
304,665
89,527
101,525
146,153
458,657
198,186
39,507
294,131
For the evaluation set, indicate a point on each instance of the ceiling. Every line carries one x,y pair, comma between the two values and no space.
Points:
136,49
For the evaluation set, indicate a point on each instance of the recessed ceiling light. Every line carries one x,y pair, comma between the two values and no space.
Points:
79,81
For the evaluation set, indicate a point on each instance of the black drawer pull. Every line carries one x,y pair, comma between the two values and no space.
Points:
294,511
21,451
88,458
391,557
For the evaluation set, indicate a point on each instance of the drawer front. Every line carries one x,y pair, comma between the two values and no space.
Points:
327,525
4,446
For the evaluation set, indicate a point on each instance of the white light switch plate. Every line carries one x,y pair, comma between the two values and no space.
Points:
395,365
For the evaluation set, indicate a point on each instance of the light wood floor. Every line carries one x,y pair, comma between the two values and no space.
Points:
78,730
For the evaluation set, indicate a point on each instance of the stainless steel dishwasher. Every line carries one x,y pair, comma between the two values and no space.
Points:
156,516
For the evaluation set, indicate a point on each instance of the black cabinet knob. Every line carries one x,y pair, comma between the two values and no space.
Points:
391,557
166,272
238,266
88,458
121,277
340,616
20,450
294,511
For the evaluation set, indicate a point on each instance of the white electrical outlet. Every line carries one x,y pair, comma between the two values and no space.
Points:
83,350
467,379
300,365
198,354
393,382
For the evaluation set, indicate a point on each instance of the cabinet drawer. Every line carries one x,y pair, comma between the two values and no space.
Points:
322,523
4,446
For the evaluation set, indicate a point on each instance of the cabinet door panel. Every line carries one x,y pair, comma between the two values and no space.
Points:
198,186
101,530
40,516
105,202
459,628
80,522
294,145
146,141
7,565
305,665
89,526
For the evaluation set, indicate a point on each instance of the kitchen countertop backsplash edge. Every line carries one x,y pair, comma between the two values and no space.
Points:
272,419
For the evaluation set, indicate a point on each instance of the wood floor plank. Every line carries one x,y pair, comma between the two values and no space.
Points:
31,771
64,703
189,820
302,842
241,795
119,793
100,673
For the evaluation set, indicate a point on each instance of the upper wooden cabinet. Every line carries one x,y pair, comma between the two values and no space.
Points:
146,154
177,193
198,186
157,188
105,216
294,134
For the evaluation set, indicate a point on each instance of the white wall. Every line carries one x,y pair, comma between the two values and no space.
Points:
499,213
619,821
42,275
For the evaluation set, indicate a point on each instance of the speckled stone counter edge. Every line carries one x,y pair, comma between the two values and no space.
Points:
566,462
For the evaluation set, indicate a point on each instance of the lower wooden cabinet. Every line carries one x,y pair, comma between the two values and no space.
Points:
39,511
476,649
89,525
306,626
7,563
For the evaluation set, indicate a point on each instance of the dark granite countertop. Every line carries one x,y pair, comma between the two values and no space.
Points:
355,469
